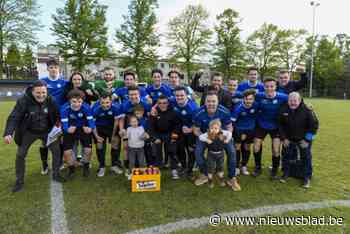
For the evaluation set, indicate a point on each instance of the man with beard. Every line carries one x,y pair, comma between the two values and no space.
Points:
216,86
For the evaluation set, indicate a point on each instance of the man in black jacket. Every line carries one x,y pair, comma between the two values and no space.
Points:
216,80
165,127
298,125
32,118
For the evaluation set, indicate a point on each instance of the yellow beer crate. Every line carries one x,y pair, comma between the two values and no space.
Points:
143,180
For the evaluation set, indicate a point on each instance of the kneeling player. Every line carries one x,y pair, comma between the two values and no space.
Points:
244,117
105,114
77,123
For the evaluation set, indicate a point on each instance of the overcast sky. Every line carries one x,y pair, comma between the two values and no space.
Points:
332,16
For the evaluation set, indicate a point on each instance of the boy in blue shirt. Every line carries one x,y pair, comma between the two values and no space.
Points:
269,105
244,118
77,124
157,89
105,114
55,88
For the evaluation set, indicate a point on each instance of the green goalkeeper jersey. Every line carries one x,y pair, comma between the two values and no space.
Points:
101,87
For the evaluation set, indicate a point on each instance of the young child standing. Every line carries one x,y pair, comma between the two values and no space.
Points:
136,142
215,139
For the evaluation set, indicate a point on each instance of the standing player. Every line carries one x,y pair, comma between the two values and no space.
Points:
244,118
252,81
286,85
106,118
77,124
174,81
216,85
185,108
269,105
127,109
121,94
236,96
55,88
157,89
105,86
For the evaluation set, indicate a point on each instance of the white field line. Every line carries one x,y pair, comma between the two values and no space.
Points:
58,217
254,212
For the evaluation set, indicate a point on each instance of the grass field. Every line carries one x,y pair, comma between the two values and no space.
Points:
106,205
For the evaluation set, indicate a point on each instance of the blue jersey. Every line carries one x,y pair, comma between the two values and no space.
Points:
236,99
80,118
155,93
189,91
243,86
185,112
244,118
143,122
123,95
104,117
201,119
55,89
269,109
127,108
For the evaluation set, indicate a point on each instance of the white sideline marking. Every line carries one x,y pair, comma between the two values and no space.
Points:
58,217
260,211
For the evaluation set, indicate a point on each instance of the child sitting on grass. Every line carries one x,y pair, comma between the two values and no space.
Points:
215,139
136,141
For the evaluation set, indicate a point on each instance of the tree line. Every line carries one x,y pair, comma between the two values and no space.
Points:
81,36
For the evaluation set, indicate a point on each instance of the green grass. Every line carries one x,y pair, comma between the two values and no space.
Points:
28,211
106,205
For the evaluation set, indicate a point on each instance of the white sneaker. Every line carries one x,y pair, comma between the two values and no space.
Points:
62,167
174,174
129,177
127,174
116,170
101,172
244,171
237,171
45,171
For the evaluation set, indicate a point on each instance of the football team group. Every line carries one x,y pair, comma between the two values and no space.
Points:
162,125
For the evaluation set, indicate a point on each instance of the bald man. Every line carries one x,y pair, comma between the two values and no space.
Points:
298,125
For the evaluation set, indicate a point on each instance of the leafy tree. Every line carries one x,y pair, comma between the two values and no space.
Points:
228,54
138,38
18,24
13,60
81,31
262,49
188,36
292,47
